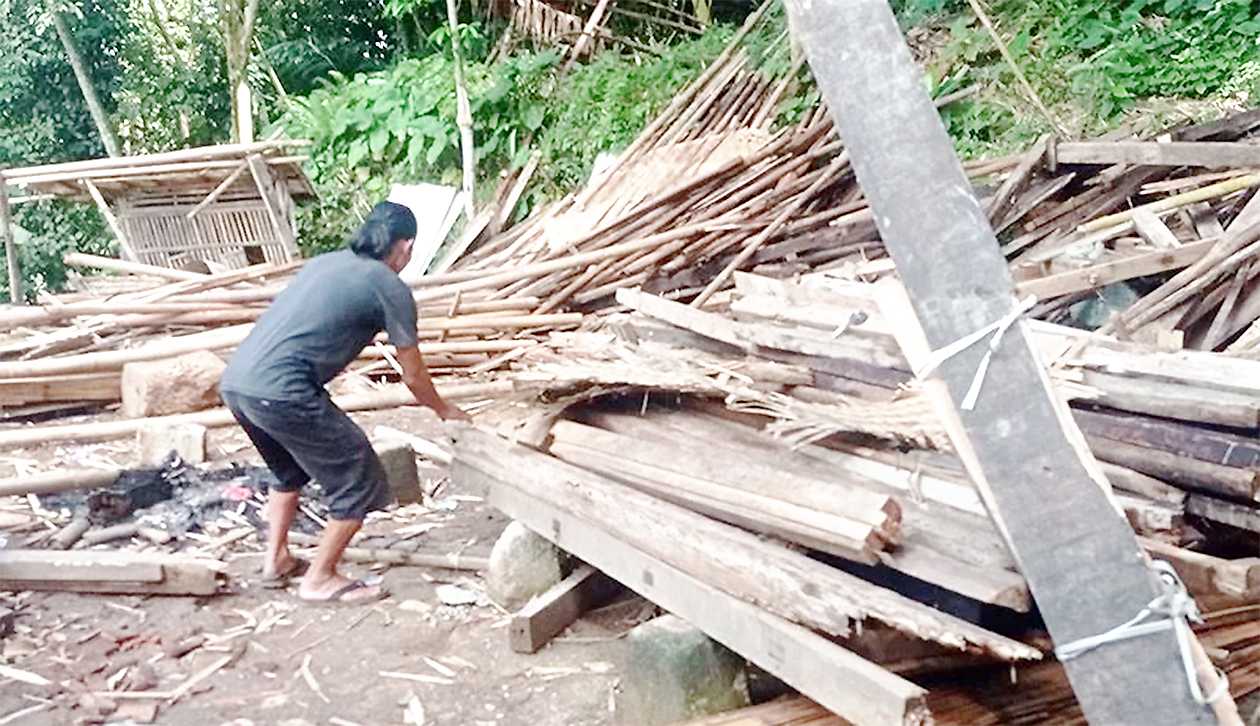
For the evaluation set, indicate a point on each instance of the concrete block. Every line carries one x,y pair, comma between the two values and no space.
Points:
674,672
156,441
523,564
401,473
173,385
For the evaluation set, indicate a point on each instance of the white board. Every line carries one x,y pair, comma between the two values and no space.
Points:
436,208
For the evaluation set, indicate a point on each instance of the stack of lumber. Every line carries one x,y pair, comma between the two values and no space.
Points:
1175,430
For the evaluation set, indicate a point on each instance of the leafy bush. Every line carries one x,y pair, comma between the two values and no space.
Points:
398,125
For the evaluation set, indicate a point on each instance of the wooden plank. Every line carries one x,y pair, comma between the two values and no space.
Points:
1217,510
124,244
1077,552
1095,276
1152,229
105,572
1222,154
833,676
1224,480
1168,399
548,614
1182,439
86,387
276,212
780,580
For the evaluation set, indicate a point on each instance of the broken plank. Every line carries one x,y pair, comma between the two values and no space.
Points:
1095,276
1018,441
835,677
106,572
547,615
1153,153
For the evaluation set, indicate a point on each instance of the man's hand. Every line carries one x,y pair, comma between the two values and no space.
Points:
447,412
416,377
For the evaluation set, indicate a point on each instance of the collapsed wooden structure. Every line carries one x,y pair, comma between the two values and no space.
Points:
229,205
809,502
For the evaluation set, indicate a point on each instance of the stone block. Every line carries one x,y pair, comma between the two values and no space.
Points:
674,672
156,441
401,473
173,385
523,564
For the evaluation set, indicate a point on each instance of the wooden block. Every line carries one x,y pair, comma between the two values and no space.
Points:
106,572
188,382
547,615
155,441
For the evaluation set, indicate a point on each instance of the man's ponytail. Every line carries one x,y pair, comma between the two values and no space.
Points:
385,225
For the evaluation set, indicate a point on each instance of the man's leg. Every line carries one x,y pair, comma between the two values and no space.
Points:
322,580
282,499
281,509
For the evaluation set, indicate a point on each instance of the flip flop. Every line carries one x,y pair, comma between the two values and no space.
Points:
338,597
280,580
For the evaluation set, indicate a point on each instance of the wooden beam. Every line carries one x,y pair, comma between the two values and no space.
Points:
833,676
1219,510
277,212
548,614
106,572
1095,276
1076,550
12,261
1221,154
128,251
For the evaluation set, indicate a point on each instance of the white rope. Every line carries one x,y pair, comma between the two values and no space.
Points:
996,329
1173,609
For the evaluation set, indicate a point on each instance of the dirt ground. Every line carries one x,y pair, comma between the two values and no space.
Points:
288,662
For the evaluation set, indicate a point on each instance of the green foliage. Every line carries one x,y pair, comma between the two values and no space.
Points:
399,125
601,106
1092,63
48,230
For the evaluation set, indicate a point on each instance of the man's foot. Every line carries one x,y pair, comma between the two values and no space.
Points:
339,589
277,572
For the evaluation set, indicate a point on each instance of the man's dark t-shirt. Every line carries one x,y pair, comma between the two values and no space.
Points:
319,324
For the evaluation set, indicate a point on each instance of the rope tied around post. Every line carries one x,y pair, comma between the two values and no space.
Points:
1173,609
997,329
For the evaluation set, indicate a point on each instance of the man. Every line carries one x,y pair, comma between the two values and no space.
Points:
274,386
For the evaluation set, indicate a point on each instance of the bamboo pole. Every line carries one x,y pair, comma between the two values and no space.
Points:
219,417
79,259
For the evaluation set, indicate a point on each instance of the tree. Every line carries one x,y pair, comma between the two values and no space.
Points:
103,125
238,32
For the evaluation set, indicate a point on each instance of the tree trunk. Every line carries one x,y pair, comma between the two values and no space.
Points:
238,31
85,85
463,115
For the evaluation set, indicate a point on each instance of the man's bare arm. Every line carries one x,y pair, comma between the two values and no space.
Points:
417,379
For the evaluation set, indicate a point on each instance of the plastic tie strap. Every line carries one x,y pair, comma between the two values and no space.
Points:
1173,609
994,331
